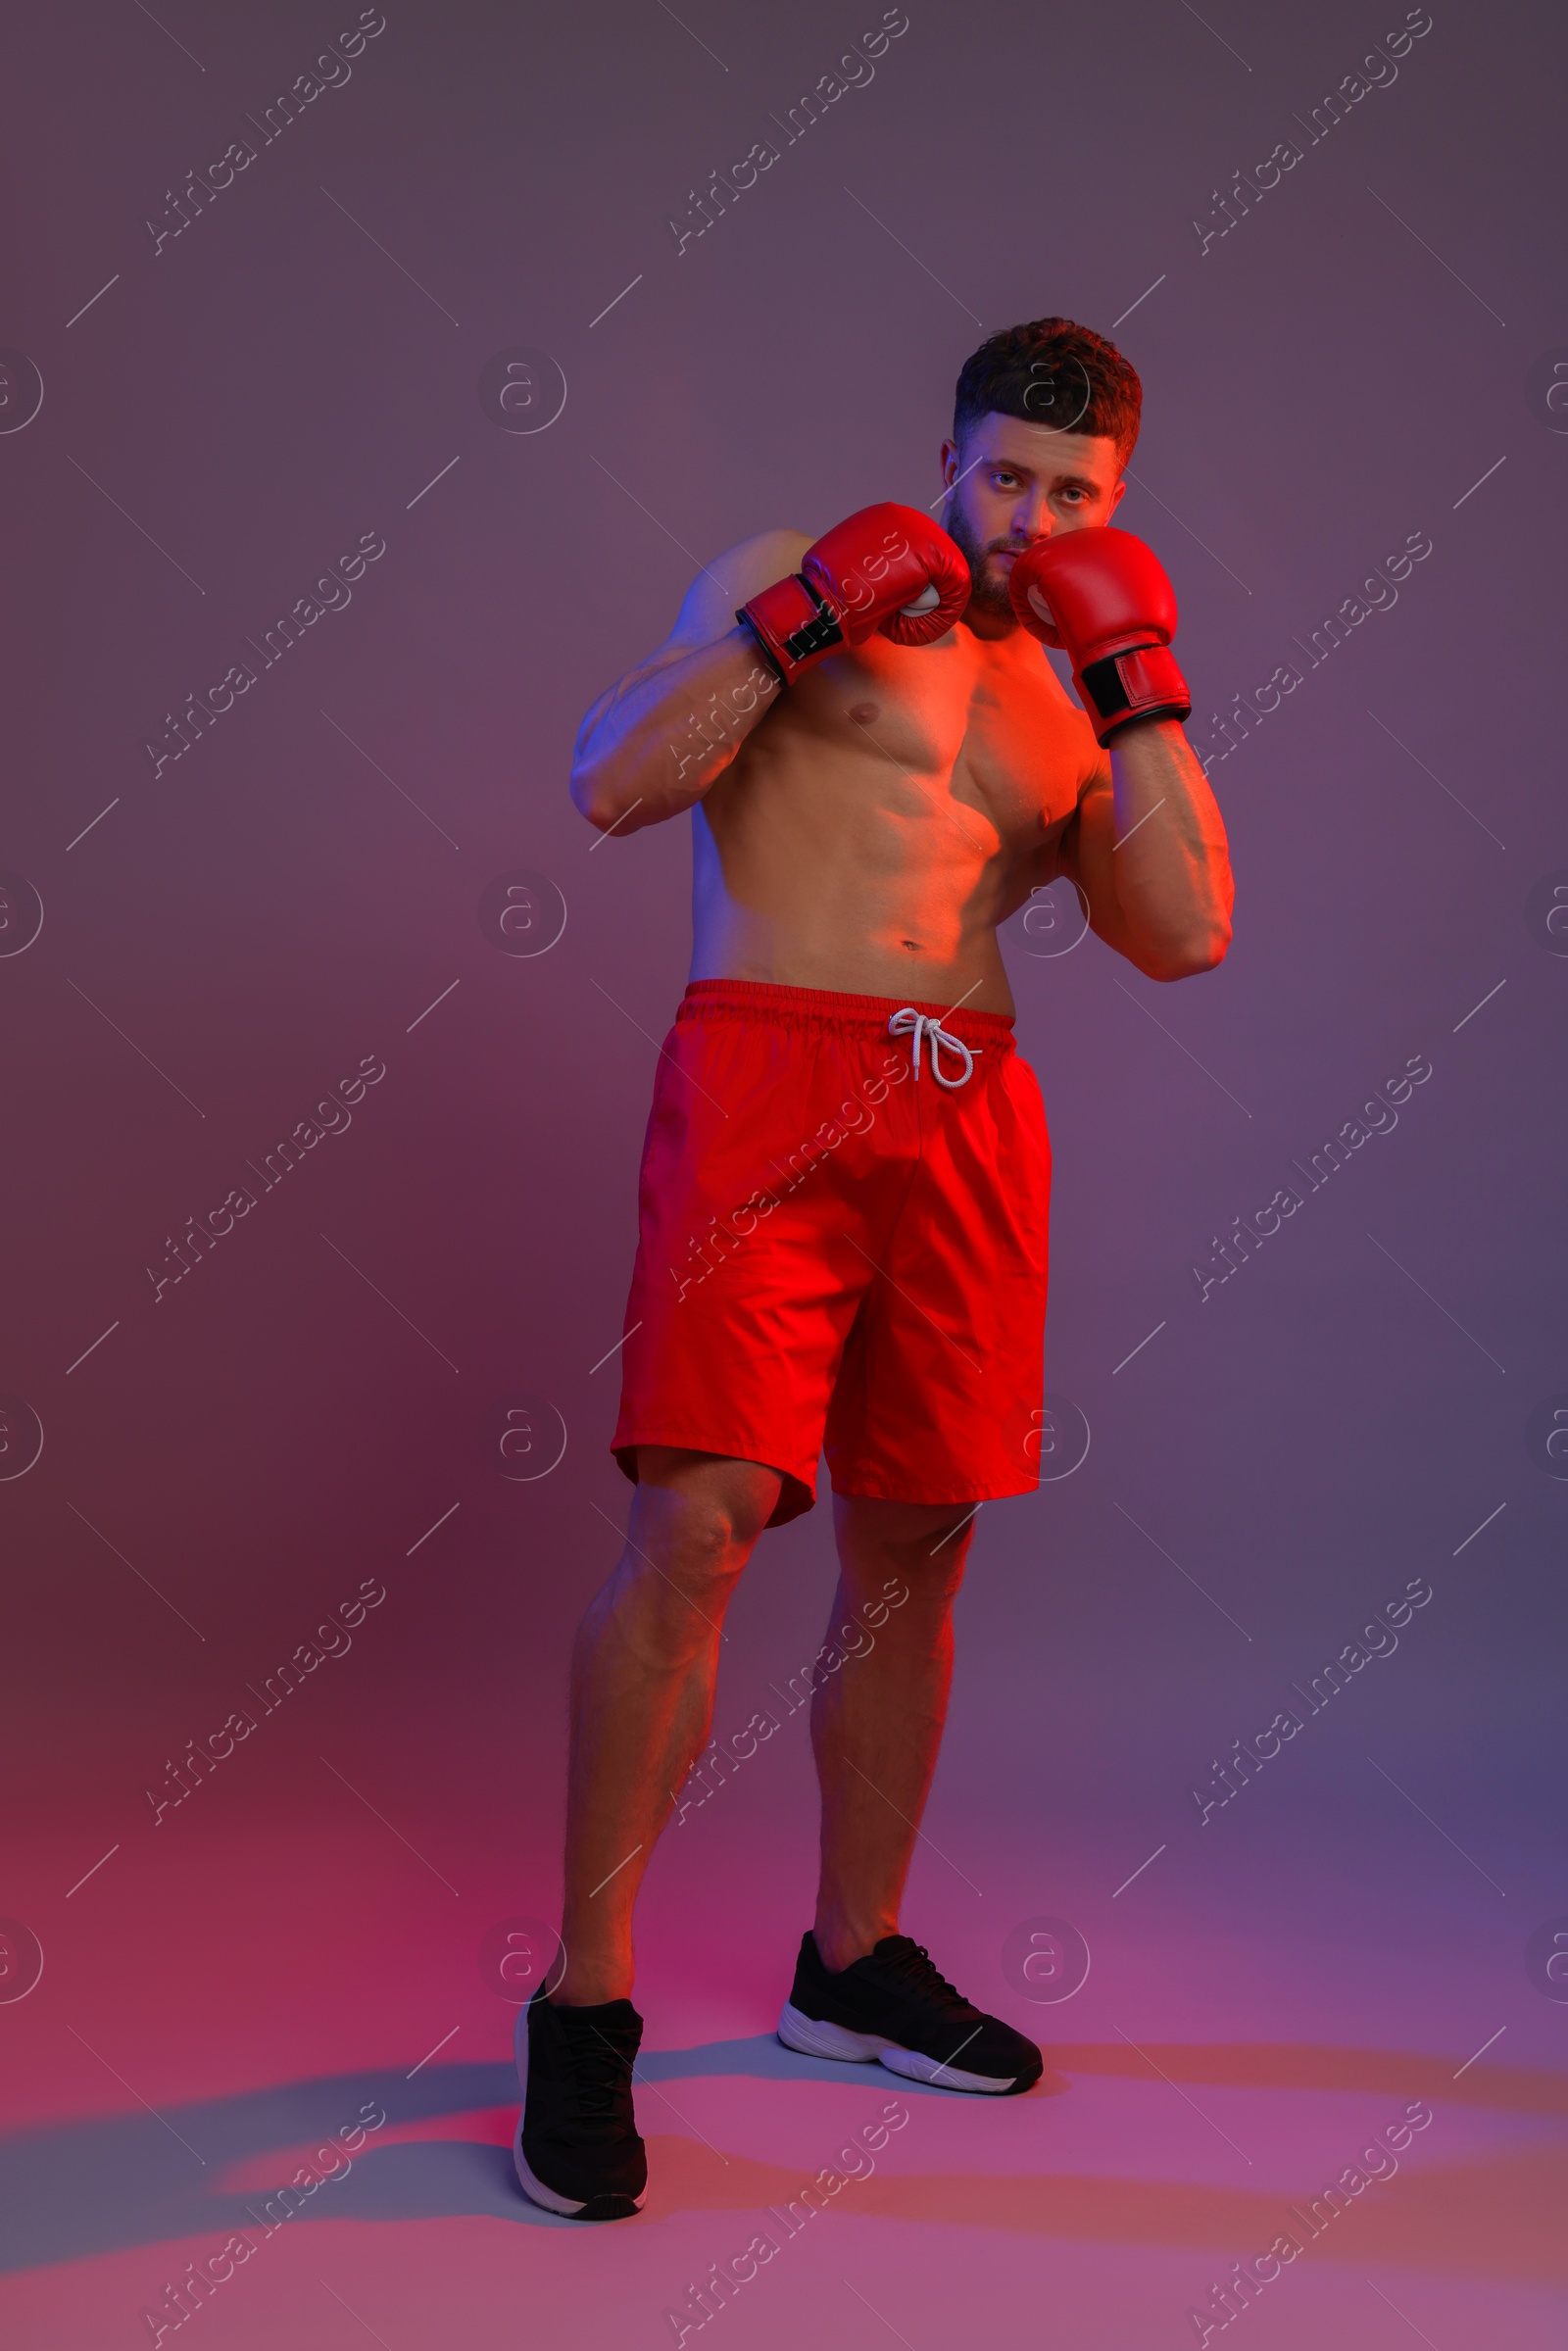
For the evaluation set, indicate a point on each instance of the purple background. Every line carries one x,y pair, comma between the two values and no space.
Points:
225,939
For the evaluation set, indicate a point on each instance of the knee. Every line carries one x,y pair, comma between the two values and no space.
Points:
707,1550
689,1543
910,1552
667,1601
704,1512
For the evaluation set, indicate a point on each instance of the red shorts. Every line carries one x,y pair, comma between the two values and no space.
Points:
839,1251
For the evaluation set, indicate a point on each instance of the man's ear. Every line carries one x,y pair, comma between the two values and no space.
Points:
949,463
1117,493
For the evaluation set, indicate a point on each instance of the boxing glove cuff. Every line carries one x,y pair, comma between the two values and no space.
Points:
1143,682
792,624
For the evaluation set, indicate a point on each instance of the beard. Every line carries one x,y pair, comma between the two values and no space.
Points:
989,591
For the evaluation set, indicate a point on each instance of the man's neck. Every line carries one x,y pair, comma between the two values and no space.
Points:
988,621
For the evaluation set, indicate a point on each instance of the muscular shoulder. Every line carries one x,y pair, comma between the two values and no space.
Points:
708,610
709,607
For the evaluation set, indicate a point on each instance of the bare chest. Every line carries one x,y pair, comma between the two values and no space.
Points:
984,726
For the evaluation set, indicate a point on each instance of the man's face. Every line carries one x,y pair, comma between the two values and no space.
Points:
1011,482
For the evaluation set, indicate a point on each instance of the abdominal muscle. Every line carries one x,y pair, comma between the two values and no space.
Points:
815,866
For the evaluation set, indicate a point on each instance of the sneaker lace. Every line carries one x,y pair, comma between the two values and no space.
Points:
598,2071
914,1962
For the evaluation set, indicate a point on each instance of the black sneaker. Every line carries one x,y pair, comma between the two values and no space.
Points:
576,2147
893,2005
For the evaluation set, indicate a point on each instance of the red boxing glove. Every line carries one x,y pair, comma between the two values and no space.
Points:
1101,596
888,567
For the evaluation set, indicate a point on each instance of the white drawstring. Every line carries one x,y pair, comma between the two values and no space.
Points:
929,1026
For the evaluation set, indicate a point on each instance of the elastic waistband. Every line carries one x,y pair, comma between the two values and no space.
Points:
829,1008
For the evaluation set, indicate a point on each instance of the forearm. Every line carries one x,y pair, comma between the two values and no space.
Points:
1170,865
659,742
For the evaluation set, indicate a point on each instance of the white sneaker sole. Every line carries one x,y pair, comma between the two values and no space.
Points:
814,2037
534,2188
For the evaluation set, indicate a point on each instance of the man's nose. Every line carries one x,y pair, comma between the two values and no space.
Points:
1032,517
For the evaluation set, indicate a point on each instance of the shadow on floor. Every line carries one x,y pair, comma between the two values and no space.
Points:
98,2185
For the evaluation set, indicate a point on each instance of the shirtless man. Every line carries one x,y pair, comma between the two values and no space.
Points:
845,1184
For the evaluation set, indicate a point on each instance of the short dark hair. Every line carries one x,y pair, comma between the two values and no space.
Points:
1052,371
